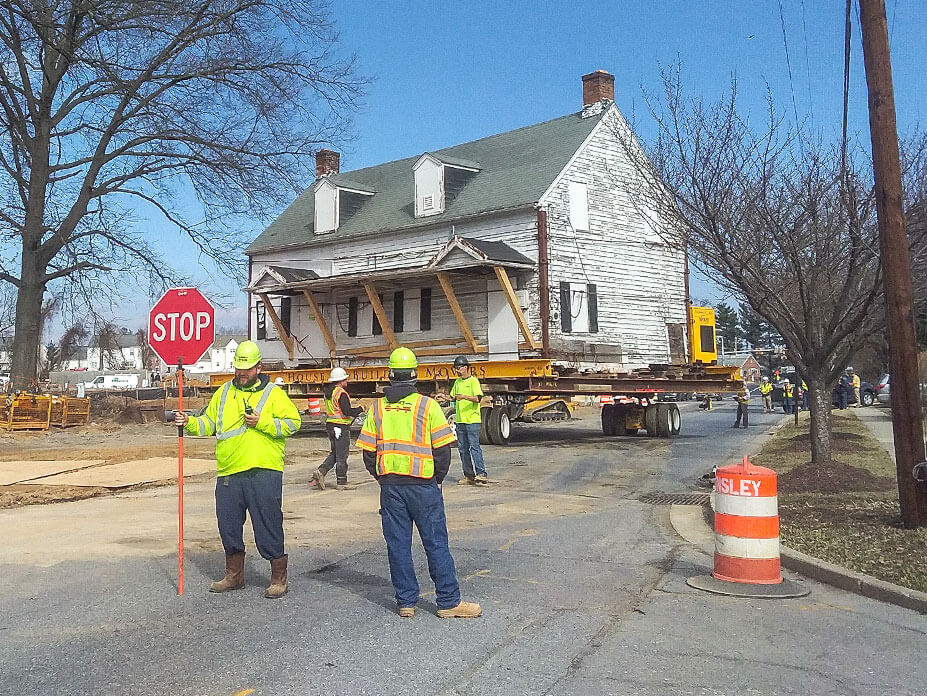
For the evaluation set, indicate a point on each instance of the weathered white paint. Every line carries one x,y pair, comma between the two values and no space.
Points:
502,331
428,175
326,206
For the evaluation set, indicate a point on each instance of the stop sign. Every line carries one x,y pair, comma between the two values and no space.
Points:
181,326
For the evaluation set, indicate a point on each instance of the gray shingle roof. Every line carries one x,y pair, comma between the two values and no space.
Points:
498,251
517,167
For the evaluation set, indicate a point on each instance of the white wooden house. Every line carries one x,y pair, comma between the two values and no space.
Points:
523,244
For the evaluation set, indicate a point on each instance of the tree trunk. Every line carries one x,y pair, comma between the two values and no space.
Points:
26,339
819,401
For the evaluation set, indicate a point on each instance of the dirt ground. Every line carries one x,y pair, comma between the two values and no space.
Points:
109,442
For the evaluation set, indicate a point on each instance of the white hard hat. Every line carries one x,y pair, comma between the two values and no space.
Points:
337,374
766,379
279,381
786,380
849,369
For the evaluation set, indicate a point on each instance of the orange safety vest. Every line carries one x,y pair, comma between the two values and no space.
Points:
333,408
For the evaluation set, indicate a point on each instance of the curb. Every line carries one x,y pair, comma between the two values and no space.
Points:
689,523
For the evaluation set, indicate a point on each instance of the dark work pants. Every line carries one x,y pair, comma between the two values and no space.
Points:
423,504
340,447
259,492
743,415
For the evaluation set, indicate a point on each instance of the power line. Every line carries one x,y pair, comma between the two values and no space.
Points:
846,91
804,31
788,63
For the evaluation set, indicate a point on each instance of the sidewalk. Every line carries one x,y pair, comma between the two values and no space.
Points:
879,421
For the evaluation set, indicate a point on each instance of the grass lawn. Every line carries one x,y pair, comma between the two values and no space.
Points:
845,512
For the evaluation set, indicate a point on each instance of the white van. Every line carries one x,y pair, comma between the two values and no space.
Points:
113,382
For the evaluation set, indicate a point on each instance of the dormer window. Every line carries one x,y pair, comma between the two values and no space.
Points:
336,199
437,180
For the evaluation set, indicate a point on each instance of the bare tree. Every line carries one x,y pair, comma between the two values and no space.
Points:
115,109
773,218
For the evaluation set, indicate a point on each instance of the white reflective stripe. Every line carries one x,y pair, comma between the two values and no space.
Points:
278,427
204,419
291,424
231,433
737,547
744,506
264,394
223,395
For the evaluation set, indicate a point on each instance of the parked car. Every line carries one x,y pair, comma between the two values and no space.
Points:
867,395
883,390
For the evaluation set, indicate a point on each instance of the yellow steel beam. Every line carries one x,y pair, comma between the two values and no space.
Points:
381,315
503,278
323,327
282,332
451,296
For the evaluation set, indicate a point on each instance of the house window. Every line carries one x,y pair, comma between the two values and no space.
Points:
399,301
286,304
579,308
424,310
261,321
352,316
579,206
375,327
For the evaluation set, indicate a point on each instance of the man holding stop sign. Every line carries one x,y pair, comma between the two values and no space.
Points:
250,417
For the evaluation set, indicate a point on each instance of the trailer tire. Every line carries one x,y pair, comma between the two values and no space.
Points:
675,420
484,420
499,426
668,420
609,420
650,420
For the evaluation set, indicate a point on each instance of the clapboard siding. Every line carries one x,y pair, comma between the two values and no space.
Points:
639,280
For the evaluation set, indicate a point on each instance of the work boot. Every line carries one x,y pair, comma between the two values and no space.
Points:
277,587
467,480
464,610
407,612
234,574
480,479
344,486
318,476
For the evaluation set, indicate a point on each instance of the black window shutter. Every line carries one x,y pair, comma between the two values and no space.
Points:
286,304
261,319
352,316
566,318
399,301
592,304
375,328
424,310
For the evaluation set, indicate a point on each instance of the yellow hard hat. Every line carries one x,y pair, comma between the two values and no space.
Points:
247,355
402,359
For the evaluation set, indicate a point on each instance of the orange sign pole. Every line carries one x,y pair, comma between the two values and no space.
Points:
180,479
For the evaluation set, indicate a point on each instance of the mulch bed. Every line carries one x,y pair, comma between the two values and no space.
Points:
832,478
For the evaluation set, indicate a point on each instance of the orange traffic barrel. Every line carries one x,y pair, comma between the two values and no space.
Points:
606,399
746,554
746,525
315,406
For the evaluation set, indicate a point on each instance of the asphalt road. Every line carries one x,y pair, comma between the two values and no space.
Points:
583,589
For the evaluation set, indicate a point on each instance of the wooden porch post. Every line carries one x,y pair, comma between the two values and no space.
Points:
323,327
282,332
381,315
516,308
458,312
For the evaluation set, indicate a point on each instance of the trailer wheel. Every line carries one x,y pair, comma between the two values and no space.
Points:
484,419
609,420
650,420
499,426
675,420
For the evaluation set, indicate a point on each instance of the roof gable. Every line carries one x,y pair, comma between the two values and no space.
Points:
510,170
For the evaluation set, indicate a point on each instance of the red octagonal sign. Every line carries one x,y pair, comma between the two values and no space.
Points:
181,326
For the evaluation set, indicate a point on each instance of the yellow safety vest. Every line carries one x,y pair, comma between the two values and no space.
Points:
238,447
403,433
765,388
789,391
333,408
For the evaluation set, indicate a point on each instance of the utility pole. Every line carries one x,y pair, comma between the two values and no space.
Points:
896,263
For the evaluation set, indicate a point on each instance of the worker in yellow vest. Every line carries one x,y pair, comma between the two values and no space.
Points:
406,442
766,388
339,414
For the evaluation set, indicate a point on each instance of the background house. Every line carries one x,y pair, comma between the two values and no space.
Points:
750,370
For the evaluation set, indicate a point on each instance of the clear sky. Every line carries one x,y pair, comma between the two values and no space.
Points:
447,73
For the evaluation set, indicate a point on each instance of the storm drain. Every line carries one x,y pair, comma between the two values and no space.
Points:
676,498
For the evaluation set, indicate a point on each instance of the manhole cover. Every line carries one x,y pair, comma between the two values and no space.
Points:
676,498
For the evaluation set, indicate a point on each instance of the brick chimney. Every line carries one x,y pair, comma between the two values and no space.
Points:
326,162
597,86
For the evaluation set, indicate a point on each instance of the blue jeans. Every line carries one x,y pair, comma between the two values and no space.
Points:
423,504
258,492
468,443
